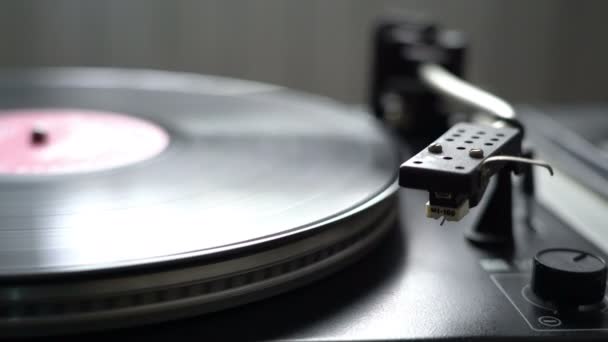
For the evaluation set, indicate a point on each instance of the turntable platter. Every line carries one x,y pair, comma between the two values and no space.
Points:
254,179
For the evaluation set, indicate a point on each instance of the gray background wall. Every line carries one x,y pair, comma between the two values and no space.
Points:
536,51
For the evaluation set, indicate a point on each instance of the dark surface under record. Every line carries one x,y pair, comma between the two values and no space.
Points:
423,282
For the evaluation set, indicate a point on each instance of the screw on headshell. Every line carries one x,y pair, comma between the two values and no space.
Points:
476,153
435,148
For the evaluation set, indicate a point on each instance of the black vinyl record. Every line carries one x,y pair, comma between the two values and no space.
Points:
258,189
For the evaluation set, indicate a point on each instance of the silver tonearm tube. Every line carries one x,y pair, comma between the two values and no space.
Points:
445,83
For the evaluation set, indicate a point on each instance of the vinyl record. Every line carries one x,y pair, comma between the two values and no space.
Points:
156,195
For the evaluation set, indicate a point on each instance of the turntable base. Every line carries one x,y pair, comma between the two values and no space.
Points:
424,282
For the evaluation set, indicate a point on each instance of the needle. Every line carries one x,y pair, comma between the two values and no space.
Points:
442,221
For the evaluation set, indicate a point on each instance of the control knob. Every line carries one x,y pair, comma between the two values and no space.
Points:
568,278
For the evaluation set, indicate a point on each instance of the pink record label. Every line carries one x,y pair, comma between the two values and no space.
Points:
55,141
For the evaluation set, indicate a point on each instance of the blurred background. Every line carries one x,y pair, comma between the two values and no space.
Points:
527,51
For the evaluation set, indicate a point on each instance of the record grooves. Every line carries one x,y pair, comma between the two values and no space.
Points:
259,190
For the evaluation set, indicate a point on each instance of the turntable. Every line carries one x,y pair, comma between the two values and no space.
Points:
156,204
